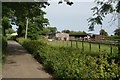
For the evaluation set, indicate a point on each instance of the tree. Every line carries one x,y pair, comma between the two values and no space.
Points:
77,32
74,32
103,32
66,31
5,24
33,32
45,30
26,10
9,31
52,29
101,10
117,32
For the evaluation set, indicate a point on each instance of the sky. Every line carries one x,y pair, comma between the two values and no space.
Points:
74,17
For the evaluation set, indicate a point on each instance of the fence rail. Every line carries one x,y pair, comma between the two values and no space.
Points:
111,43
110,46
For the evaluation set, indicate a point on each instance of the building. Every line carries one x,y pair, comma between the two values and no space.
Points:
49,35
79,36
66,36
96,36
62,36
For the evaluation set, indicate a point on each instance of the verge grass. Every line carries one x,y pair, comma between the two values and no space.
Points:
94,47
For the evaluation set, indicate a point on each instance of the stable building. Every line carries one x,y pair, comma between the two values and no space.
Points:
62,36
79,36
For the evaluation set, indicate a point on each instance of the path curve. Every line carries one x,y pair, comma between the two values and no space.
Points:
20,64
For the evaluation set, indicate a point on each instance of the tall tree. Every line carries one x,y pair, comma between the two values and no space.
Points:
52,29
26,10
45,30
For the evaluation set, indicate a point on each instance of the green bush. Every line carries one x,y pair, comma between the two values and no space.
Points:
20,40
112,37
9,36
4,46
13,37
9,31
65,62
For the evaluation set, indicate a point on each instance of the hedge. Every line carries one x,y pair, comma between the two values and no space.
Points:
112,37
4,47
63,63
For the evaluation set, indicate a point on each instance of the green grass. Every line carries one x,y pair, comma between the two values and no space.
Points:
94,47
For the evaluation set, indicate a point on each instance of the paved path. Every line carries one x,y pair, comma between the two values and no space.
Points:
20,64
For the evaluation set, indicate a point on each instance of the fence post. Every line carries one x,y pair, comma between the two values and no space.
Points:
71,43
99,47
82,45
119,47
59,44
90,46
110,48
76,44
67,43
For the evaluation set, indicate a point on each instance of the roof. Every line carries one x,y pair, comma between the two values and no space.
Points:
78,34
48,33
62,35
93,34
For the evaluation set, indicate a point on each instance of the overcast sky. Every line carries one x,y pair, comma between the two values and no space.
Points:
74,17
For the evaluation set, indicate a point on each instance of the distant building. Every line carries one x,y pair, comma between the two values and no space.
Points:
96,36
66,36
62,36
79,36
49,35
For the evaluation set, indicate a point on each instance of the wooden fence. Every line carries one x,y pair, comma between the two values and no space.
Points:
109,46
99,42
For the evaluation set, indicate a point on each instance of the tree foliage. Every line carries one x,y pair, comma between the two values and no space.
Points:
5,24
103,32
74,32
9,31
67,2
52,29
49,30
20,11
102,9
117,32
66,31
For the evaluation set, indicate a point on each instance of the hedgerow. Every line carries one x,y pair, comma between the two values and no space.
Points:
20,40
4,46
65,62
